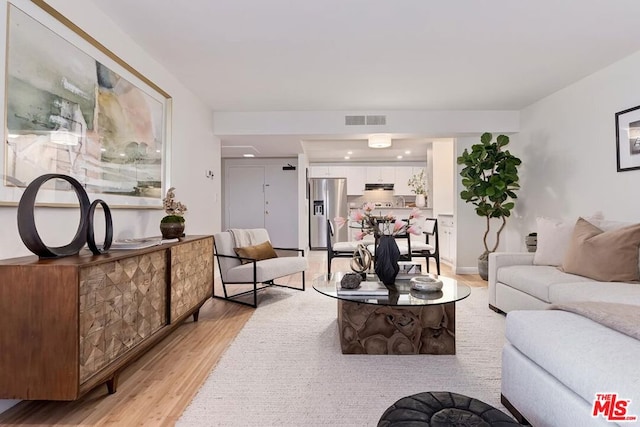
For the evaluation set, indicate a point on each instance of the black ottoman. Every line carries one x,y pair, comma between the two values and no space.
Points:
440,409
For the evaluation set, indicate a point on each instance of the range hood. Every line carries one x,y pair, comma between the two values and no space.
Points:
378,187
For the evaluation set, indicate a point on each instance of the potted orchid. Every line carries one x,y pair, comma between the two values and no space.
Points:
384,228
172,225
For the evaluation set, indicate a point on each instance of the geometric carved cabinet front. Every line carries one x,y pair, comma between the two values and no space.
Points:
121,303
191,275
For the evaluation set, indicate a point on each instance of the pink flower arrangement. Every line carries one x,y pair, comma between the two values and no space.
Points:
380,225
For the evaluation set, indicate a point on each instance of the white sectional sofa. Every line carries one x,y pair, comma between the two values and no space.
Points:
516,283
555,362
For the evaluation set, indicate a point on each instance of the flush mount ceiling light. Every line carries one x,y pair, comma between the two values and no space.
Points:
380,140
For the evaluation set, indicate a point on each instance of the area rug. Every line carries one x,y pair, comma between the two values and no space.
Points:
285,368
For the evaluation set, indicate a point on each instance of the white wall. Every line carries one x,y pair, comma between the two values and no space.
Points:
195,149
568,147
426,123
444,191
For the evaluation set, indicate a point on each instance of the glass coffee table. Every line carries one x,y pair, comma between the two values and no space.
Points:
403,322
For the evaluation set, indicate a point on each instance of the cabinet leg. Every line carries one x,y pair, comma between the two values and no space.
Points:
196,314
112,384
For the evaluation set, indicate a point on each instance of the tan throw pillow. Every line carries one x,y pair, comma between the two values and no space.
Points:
607,256
260,251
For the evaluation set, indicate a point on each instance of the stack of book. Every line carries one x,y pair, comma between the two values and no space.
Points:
365,288
140,243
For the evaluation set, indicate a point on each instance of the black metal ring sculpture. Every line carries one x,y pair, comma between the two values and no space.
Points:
27,225
108,237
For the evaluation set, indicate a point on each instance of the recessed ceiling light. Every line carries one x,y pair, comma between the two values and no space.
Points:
349,152
347,157
121,154
248,155
407,152
399,157
103,149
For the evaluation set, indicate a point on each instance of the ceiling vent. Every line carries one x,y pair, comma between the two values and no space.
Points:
376,120
354,120
365,120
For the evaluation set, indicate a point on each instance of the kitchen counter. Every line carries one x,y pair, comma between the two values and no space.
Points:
407,208
399,212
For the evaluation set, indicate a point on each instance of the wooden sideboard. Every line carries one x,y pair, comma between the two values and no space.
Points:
70,324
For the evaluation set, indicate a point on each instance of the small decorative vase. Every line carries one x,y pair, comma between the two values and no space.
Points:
172,230
420,200
386,263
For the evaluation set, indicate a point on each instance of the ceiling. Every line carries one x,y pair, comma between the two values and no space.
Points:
377,55
327,150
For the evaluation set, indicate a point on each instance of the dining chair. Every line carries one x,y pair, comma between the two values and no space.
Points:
430,248
337,249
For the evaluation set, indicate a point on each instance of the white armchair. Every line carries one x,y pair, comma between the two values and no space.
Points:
254,271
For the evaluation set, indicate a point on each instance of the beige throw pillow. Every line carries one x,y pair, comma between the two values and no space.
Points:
260,251
607,256
554,236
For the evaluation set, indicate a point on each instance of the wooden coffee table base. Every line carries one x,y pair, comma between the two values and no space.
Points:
375,329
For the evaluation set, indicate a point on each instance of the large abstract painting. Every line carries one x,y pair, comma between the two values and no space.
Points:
70,110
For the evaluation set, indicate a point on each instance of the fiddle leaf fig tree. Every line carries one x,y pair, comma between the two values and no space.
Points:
490,179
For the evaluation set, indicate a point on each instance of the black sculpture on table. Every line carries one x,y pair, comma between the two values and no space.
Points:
84,233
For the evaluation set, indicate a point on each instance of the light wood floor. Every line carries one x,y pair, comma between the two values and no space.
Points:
157,388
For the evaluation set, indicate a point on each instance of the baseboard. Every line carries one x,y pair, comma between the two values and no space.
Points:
6,404
466,270
516,414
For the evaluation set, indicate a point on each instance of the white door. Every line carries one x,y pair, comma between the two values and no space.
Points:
281,206
245,197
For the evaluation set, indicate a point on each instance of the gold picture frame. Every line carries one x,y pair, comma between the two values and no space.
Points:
73,107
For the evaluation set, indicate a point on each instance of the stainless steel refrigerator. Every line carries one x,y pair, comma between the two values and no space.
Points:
327,200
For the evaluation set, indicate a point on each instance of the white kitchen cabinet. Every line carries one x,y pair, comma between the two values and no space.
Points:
338,172
356,178
403,175
328,172
381,174
447,238
319,172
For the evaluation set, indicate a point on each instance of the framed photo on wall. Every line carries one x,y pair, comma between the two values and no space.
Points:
628,139
73,107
